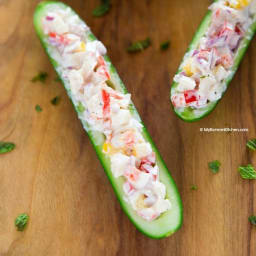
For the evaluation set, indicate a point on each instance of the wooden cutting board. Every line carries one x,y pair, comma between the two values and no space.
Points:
54,174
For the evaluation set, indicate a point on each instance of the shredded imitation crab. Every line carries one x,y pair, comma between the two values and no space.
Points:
205,69
106,110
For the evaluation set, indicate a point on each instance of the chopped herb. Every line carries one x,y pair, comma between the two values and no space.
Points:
165,45
21,221
193,187
6,147
247,172
38,108
57,79
80,107
91,37
102,9
252,219
139,45
56,100
110,84
251,144
41,77
214,166
202,77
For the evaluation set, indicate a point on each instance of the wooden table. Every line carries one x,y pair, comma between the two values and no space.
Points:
54,174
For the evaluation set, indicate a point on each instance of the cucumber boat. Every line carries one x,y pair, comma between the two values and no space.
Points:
213,57
139,177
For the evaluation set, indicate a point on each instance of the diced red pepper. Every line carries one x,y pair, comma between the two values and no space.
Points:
238,29
106,102
52,34
190,96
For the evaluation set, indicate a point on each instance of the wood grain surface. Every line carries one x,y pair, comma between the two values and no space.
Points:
54,174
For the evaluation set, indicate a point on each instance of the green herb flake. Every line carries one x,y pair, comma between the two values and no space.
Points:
91,37
80,108
102,9
202,77
193,187
21,221
252,219
110,84
139,46
41,77
251,144
214,166
38,108
247,172
165,45
6,147
55,101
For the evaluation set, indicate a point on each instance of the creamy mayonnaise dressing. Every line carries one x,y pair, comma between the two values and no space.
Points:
106,110
205,68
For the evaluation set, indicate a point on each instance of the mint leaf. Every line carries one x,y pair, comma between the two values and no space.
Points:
252,219
139,45
193,187
21,221
102,9
165,45
55,101
38,108
6,147
251,144
247,172
214,166
80,108
41,77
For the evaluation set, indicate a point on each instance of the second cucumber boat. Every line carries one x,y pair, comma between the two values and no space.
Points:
213,58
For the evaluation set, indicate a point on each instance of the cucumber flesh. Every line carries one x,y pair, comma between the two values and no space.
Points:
190,114
171,220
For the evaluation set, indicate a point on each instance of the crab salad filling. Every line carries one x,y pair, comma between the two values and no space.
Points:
88,79
202,75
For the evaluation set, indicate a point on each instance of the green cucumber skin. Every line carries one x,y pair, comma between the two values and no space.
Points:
142,225
240,54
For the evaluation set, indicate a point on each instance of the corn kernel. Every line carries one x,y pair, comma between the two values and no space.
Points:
245,2
107,148
82,47
187,70
240,4
140,202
